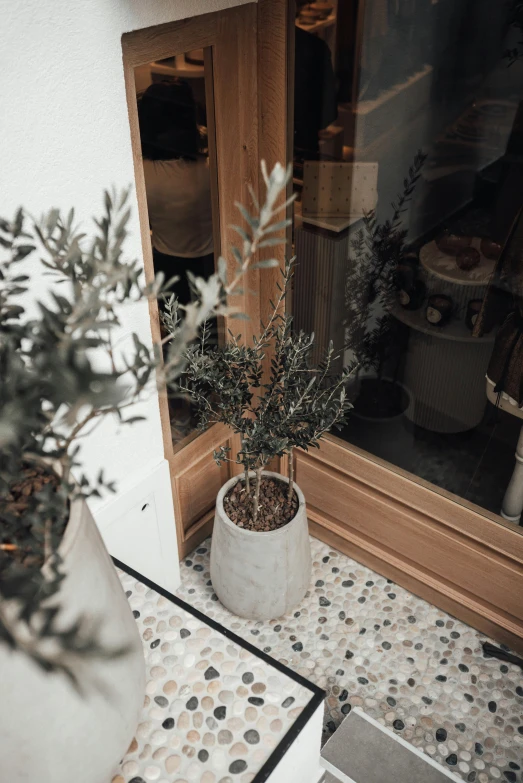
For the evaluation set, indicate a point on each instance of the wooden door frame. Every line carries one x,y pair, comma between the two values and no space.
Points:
228,38
442,548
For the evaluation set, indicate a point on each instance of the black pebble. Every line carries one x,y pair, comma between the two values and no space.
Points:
324,637
452,760
411,682
297,614
362,631
426,700
161,701
201,550
444,640
211,673
513,765
137,780
155,644
277,628
320,583
349,655
369,583
363,681
255,631
411,619
326,559
339,672
478,747
376,627
347,583
252,737
492,706
220,713
460,727
188,563
418,646
361,599
247,678
168,723
391,701
184,633
510,776
335,570
298,647
136,614
462,667
519,691
440,623
342,615
441,678
469,697
203,755
441,735
503,669
324,601
256,700
471,777
392,595
520,729
398,725
386,645
198,567
444,661
192,704
454,635
344,695
238,766
287,702
346,708
331,726
386,623
128,593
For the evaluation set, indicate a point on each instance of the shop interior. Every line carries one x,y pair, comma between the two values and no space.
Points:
408,169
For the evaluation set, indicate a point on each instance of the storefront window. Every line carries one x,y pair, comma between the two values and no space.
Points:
408,164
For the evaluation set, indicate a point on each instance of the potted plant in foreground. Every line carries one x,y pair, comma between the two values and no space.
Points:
71,659
260,552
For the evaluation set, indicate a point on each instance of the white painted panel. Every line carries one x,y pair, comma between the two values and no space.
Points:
301,763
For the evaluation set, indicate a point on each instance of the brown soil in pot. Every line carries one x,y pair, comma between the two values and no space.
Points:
274,509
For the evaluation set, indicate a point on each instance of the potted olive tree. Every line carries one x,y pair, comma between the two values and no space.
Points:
260,553
71,659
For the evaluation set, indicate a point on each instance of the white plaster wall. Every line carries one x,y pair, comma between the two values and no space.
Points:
64,137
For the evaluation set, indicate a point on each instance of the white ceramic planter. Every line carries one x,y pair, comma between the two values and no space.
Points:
48,732
257,575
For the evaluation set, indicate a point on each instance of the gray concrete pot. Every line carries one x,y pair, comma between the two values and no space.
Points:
257,575
49,732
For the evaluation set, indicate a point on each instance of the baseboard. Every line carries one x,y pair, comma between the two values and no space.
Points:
138,528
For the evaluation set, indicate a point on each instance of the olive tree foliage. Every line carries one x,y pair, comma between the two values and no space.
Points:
295,405
62,371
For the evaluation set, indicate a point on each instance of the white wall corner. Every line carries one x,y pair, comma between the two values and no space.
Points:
138,528
301,762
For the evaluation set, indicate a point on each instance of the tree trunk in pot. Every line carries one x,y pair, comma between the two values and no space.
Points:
49,733
258,575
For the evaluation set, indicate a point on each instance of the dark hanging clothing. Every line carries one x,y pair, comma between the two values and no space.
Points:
315,104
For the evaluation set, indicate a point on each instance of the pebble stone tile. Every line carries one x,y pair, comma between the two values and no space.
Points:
213,712
370,643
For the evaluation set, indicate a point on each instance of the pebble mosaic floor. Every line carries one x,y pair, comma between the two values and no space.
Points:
372,644
213,711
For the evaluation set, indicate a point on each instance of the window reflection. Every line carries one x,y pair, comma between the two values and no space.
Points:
408,166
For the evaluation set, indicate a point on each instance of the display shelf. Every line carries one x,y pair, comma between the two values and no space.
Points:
455,329
445,267
321,24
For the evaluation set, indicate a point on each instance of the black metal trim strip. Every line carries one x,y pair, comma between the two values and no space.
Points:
318,694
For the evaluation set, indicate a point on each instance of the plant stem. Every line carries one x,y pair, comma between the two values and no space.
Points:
257,493
291,474
247,480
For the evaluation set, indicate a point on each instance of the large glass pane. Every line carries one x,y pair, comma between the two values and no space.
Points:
179,182
408,164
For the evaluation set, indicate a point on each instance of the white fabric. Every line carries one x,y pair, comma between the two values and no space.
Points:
179,205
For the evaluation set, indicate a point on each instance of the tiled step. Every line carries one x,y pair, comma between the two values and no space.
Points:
364,751
216,709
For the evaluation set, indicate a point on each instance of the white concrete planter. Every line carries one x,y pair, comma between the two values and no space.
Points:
257,575
49,733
